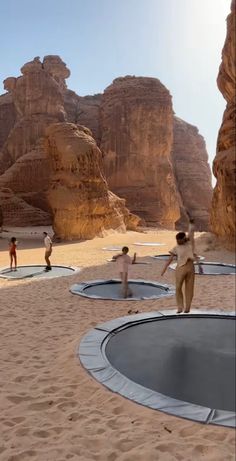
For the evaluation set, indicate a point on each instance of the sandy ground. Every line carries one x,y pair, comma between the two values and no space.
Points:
50,408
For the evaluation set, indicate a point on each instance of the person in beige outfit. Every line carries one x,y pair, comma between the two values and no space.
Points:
184,252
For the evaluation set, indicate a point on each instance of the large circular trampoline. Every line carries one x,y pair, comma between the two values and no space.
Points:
165,257
112,289
182,365
211,268
37,271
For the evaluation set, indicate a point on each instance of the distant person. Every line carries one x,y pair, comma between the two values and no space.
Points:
184,252
12,253
124,261
48,251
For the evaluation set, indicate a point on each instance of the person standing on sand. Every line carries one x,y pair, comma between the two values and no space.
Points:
48,251
124,261
184,251
12,252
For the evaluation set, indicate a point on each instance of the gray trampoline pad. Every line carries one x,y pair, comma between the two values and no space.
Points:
189,359
165,257
112,248
24,272
112,289
211,268
149,244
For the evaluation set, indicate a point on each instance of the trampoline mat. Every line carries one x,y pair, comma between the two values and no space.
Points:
189,359
112,248
112,289
212,268
167,256
24,272
149,244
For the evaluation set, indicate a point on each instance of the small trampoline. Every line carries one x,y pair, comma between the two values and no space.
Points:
24,272
112,248
182,365
165,257
211,268
149,244
112,289
137,262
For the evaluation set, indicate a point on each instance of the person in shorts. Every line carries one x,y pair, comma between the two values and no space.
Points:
124,261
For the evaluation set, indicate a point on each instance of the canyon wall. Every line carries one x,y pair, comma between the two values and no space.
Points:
192,173
223,219
136,140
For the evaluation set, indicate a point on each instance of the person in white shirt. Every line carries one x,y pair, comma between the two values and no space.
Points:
184,252
48,250
124,261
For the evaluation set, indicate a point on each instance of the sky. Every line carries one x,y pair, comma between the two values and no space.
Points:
177,41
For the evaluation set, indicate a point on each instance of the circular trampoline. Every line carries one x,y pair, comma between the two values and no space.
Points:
149,244
112,248
165,257
211,268
37,271
112,289
182,365
136,262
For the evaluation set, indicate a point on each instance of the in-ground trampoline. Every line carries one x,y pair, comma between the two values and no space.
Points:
165,257
37,271
211,268
182,365
149,244
112,248
136,262
112,289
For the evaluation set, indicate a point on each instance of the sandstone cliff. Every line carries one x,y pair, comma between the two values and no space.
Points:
136,141
7,118
78,194
193,174
223,204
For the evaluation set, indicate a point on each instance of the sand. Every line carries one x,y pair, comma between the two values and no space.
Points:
50,407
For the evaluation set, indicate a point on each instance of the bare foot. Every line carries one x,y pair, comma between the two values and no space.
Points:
179,311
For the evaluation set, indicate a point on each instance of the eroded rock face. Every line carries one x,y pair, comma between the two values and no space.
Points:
136,142
223,217
16,212
193,174
38,101
7,118
78,195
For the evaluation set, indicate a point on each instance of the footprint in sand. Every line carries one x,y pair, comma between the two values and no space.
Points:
41,434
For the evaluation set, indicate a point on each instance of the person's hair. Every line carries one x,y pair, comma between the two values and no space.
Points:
45,233
125,250
181,236
13,239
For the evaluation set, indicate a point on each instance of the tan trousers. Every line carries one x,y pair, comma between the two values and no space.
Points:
185,274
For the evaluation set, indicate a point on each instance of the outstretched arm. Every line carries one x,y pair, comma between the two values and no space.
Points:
117,256
167,263
134,258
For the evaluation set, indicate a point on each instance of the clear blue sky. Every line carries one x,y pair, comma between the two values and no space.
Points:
177,41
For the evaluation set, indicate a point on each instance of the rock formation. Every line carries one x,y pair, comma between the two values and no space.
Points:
38,101
78,195
192,172
136,142
133,125
223,203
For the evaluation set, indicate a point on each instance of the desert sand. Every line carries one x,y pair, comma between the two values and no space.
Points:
51,409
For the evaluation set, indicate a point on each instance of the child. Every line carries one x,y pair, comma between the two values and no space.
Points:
48,251
185,253
12,252
124,261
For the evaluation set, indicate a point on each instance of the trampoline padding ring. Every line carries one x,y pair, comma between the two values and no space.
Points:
112,289
160,360
211,268
165,257
37,271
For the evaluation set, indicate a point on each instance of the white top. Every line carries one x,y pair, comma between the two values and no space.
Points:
124,262
47,242
185,252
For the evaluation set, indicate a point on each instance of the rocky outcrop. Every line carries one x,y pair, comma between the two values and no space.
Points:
136,142
38,100
223,217
7,117
16,212
78,195
192,173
